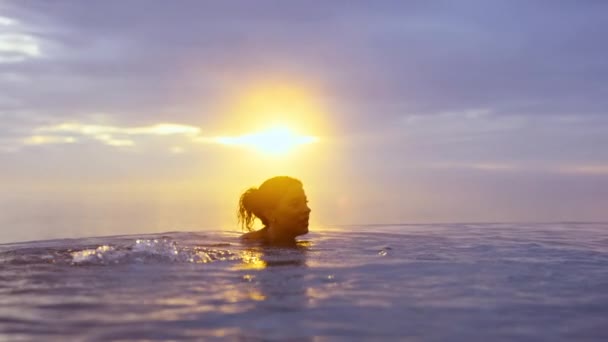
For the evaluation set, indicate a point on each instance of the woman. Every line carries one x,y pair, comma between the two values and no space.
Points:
281,204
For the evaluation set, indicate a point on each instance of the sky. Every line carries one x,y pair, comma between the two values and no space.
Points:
135,116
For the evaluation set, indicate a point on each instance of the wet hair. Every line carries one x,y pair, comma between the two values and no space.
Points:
254,202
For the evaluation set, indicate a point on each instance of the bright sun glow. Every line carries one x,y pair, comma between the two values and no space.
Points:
276,140
270,116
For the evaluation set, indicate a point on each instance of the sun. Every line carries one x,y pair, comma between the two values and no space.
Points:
272,117
277,140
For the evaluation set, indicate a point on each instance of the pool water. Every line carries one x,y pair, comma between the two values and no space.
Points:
436,282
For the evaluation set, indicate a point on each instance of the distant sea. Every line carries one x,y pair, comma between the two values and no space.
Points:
436,282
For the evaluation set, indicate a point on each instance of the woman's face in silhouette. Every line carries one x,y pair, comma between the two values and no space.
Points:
291,214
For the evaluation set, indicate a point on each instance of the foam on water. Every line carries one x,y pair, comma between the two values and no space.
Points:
456,282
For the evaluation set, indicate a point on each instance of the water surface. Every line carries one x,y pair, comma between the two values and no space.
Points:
456,282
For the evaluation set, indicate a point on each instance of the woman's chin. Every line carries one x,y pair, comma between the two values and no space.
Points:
304,230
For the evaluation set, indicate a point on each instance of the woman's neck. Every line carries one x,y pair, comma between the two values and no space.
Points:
275,237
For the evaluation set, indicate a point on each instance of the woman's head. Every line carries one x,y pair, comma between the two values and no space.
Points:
280,203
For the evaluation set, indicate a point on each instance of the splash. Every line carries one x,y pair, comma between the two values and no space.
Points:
150,251
91,255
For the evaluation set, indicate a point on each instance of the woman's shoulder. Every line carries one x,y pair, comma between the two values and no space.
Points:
255,236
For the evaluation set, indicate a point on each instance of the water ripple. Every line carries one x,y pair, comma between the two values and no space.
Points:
424,282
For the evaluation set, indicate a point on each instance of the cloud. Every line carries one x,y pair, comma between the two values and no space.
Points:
46,139
406,57
445,83
94,130
599,170
16,46
526,168
277,139
4,21
108,135
481,166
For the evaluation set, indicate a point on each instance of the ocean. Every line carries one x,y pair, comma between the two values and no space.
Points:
432,282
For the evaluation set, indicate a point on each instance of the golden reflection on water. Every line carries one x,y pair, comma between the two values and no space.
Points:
257,295
178,301
303,244
252,260
236,295
283,288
